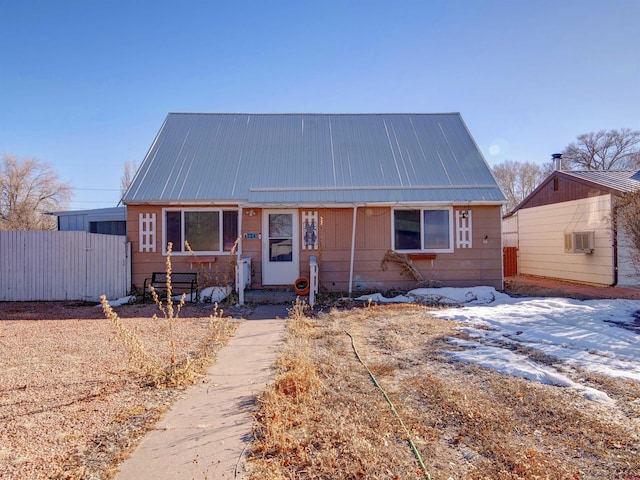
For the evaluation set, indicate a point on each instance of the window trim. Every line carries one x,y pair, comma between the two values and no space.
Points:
182,211
450,249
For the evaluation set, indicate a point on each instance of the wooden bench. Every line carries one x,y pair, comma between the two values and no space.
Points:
186,282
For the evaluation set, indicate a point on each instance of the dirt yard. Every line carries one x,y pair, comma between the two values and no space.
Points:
72,405
325,415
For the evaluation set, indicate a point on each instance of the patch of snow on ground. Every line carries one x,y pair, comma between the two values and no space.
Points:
209,295
379,298
121,301
215,294
597,335
510,363
443,296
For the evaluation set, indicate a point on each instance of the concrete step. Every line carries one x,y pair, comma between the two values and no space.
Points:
271,297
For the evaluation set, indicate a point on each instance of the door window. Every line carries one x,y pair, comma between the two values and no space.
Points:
281,237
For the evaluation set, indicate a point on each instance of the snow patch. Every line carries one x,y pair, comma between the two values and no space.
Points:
209,295
596,335
443,296
516,365
121,301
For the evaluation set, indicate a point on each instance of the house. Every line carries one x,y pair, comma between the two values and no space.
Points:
111,221
343,188
567,228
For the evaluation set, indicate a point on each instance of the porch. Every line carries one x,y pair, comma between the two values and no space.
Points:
270,297
279,295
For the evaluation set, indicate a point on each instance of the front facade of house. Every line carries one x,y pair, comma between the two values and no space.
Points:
567,229
346,189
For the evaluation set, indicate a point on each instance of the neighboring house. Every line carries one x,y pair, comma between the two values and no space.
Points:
345,188
567,229
111,221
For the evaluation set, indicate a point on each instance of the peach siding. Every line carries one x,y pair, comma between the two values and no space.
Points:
215,268
479,265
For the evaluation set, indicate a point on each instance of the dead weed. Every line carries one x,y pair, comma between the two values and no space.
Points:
323,418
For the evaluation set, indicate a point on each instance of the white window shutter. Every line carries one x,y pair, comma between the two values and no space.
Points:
463,229
147,229
310,230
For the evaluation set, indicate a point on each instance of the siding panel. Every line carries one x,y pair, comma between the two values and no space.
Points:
541,240
480,265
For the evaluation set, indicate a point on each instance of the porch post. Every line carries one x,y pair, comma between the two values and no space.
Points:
239,249
353,248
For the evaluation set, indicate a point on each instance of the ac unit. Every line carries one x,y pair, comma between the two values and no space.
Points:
579,242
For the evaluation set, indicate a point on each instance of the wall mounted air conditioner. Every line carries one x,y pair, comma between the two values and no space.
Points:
579,242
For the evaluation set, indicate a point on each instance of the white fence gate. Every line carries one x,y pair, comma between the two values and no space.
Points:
42,265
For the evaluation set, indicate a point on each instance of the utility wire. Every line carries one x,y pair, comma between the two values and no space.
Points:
96,189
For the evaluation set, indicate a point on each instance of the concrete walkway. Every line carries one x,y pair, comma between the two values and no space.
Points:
205,434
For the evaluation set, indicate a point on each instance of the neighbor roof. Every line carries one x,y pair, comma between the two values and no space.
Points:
615,182
297,159
620,180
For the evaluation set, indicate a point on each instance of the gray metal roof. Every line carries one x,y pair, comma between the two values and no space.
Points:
300,159
621,180
109,213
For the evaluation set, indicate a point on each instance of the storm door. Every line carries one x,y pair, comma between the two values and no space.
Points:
280,247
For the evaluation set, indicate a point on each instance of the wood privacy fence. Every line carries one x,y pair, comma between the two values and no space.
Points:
510,255
43,265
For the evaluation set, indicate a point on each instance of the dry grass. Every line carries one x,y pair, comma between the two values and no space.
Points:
72,404
324,419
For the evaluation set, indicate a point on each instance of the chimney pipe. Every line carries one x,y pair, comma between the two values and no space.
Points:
557,161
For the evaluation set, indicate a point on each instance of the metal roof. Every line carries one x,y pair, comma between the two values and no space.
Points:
621,180
115,213
296,159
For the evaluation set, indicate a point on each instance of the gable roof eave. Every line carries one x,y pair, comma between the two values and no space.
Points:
623,187
571,176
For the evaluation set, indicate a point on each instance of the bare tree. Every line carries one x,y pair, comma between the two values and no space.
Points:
28,189
628,213
518,179
130,169
604,150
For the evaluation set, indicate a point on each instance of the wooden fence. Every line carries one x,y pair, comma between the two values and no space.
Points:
42,265
510,262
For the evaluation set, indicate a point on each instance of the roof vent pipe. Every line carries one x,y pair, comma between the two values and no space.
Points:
557,161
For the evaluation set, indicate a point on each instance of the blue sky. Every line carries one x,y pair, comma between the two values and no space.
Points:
85,85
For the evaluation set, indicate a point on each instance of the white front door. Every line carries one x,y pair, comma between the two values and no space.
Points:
280,247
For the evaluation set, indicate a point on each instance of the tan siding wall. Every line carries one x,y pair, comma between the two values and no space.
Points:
510,231
373,229
541,240
213,269
253,247
480,265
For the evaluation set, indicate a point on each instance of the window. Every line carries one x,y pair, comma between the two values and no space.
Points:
579,242
206,230
113,227
428,230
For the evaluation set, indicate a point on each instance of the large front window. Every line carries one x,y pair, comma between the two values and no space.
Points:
205,230
422,230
